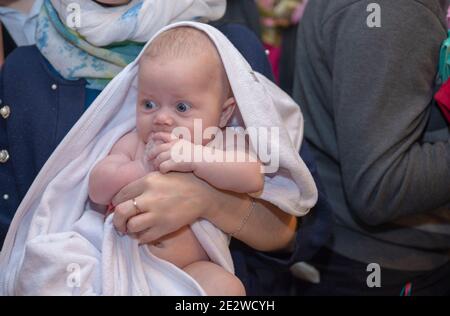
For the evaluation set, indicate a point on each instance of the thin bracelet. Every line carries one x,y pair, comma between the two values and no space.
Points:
244,221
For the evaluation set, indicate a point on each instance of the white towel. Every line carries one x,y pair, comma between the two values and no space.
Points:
57,245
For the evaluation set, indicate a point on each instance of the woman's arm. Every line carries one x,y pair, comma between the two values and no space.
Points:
264,228
169,202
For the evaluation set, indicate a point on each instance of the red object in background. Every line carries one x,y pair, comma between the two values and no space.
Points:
442,97
274,58
109,210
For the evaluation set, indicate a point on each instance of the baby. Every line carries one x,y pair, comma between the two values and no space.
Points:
181,79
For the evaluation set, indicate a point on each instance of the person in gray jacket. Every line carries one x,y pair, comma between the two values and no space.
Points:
365,78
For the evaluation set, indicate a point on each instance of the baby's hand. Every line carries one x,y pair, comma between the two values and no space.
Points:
143,154
171,154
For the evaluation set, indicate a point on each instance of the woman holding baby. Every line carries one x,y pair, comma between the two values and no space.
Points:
66,71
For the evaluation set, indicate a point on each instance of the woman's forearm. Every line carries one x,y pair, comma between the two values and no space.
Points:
266,227
178,199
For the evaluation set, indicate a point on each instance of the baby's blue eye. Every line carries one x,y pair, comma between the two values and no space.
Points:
149,105
183,107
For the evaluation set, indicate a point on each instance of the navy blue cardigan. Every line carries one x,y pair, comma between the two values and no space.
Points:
44,107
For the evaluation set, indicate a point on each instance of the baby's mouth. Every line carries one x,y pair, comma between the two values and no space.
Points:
152,133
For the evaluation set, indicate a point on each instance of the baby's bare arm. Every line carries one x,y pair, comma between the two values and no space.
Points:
241,174
116,170
240,177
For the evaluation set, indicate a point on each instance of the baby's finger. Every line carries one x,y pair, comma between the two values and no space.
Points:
170,165
166,166
155,151
166,155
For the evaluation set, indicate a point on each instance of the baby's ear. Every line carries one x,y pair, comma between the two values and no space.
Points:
227,111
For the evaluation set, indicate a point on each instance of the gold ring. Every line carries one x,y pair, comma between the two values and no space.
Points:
136,207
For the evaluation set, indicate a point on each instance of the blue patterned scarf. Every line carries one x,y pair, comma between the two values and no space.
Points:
74,58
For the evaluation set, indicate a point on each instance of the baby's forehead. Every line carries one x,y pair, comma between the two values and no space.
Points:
190,46
181,42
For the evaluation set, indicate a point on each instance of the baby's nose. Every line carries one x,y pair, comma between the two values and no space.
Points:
163,119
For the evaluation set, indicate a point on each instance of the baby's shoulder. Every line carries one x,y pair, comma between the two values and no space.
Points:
127,143
130,137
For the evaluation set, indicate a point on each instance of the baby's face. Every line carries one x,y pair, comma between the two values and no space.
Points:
173,92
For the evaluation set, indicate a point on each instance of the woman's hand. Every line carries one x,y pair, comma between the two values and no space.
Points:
169,202
165,203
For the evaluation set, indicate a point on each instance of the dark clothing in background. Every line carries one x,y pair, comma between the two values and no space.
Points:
8,43
341,276
382,147
287,59
243,12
